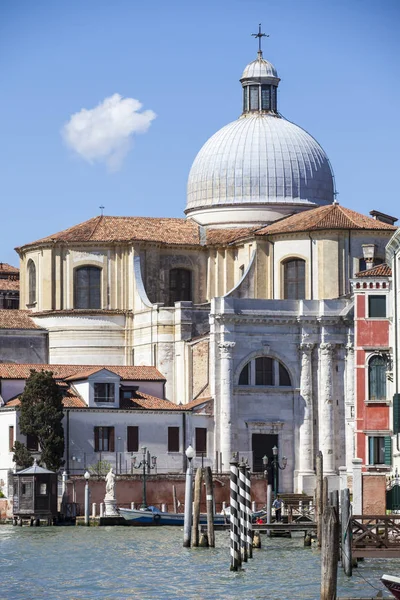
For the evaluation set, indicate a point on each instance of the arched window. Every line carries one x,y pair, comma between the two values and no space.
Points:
31,282
264,370
377,378
180,285
87,287
294,279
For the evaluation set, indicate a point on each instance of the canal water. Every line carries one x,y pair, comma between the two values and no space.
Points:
71,563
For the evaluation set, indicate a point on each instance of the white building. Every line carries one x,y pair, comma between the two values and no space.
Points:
246,301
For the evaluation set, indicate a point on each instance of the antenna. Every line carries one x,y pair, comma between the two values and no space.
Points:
101,208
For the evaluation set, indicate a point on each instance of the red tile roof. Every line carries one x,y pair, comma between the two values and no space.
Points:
75,372
16,319
9,285
382,270
9,269
221,236
70,400
126,229
142,400
332,216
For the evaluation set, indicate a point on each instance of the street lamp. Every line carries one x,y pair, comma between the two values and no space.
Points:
87,477
187,526
274,466
148,463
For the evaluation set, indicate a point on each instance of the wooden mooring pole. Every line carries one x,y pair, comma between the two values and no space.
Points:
243,511
210,506
249,515
319,502
329,553
346,532
196,506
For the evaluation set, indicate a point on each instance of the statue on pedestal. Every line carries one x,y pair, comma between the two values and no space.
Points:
109,500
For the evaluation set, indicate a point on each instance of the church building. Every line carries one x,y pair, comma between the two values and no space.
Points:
244,303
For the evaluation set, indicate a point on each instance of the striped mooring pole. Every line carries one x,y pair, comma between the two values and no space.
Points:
243,511
249,513
234,515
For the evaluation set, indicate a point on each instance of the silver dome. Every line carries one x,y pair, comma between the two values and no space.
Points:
259,68
260,159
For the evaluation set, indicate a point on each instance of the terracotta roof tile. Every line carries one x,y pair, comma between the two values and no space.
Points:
16,319
332,216
382,270
71,372
125,229
197,402
70,400
6,268
9,285
217,236
142,400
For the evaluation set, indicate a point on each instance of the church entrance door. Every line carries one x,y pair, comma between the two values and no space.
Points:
262,444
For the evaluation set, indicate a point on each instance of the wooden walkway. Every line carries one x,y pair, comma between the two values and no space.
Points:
299,526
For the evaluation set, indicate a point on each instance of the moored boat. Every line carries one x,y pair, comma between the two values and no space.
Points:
393,584
153,516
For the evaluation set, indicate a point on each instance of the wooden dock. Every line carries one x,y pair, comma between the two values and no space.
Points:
298,526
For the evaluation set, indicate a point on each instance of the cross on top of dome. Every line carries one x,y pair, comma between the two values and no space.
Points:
259,35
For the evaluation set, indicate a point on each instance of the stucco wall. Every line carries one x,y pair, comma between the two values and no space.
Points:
28,346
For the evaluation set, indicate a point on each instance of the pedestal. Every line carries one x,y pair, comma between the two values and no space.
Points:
110,508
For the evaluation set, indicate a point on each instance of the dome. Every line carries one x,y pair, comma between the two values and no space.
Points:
259,68
260,159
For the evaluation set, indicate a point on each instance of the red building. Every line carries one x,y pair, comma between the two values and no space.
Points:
373,426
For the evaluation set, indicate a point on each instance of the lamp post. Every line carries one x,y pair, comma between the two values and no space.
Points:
187,527
87,477
274,466
145,463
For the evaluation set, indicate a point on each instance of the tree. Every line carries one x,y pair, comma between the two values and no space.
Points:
41,415
22,457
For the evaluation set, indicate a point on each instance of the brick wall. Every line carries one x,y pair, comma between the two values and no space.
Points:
374,494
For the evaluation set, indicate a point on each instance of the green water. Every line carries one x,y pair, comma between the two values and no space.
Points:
71,563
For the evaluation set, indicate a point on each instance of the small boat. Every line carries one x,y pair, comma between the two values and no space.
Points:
154,516
393,584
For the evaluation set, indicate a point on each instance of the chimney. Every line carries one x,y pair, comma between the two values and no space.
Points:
369,253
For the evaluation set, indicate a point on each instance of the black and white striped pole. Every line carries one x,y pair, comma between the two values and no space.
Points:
249,513
234,515
243,511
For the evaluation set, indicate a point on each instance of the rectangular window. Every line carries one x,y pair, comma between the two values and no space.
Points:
133,438
380,450
104,439
32,443
43,489
104,392
201,441
254,97
377,306
264,371
265,97
27,489
10,438
173,439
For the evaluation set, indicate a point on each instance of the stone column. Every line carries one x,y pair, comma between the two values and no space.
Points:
305,478
226,409
326,422
349,406
357,486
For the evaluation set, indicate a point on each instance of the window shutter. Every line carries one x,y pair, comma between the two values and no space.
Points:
133,438
173,439
388,450
396,413
11,437
96,439
201,440
111,439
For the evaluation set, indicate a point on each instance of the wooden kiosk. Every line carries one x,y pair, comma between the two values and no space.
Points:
35,496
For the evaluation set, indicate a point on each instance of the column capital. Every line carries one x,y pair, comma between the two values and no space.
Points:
306,347
226,349
327,348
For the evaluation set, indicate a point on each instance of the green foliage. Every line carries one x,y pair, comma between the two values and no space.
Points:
41,414
1,494
100,469
22,457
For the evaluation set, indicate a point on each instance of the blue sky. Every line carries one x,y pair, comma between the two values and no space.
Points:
337,59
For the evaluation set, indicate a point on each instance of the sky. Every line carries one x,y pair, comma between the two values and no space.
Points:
106,103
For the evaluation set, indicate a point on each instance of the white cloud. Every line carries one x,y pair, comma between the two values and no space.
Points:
104,134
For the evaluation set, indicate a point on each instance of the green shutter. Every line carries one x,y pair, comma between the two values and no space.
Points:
388,450
396,413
